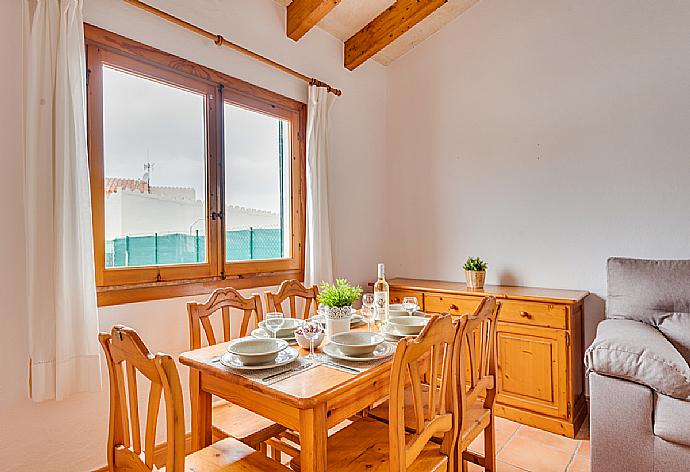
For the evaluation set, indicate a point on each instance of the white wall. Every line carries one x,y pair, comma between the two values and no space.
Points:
543,136
71,435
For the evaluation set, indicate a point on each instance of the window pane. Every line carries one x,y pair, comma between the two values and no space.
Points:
155,172
257,185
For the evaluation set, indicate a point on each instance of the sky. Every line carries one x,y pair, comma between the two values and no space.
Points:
146,121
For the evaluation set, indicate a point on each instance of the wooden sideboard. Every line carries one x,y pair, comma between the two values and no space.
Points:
540,347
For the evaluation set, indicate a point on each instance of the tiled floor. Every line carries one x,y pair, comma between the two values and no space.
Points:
523,448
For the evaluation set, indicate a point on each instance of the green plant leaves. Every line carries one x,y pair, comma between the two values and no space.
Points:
339,294
475,264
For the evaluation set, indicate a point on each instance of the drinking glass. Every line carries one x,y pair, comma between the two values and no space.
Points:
368,308
273,321
410,305
311,330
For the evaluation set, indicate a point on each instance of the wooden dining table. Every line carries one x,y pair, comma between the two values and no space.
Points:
310,401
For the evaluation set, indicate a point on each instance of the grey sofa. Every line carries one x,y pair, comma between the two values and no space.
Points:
639,379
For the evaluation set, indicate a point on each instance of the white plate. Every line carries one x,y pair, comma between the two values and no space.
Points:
383,350
261,333
388,330
284,357
356,320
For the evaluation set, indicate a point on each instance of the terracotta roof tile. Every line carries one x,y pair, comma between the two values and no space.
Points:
113,184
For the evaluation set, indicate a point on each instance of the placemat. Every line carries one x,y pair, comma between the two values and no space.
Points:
274,374
349,366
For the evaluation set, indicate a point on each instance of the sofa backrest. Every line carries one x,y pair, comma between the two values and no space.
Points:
647,290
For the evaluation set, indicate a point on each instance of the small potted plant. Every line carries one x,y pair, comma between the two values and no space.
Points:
475,272
338,299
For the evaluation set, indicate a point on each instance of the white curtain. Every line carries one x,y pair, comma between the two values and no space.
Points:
318,259
63,323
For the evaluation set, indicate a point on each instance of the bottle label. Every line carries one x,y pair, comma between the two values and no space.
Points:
381,303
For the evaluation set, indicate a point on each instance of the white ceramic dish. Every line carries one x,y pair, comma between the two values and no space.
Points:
356,320
391,334
304,342
381,351
396,309
284,357
253,351
408,325
356,343
287,330
263,334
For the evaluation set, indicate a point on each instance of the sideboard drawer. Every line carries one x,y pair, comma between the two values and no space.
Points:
455,305
537,314
397,295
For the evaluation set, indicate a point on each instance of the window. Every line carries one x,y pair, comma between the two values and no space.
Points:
197,178
257,183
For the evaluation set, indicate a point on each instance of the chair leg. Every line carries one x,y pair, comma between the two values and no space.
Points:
490,445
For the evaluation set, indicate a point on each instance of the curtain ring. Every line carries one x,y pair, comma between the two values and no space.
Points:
219,40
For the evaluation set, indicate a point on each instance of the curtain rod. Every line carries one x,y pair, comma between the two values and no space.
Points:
221,41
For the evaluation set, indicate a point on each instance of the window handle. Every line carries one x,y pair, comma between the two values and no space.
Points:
215,215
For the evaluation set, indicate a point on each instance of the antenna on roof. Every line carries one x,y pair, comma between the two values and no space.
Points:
148,170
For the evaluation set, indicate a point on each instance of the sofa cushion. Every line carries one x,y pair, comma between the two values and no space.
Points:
635,351
671,419
646,290
676,328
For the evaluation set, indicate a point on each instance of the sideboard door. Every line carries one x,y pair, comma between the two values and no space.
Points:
532,369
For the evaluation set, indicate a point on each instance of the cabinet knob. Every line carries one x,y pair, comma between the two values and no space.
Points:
453,306
524,314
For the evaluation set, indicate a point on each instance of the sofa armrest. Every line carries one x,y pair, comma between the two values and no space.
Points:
640,353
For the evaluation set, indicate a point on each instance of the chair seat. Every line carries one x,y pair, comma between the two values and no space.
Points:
230,420
230,455
476,418
363,445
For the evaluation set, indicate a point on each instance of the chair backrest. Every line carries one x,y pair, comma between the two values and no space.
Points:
293,289
432,349
475,344
126,355
221,300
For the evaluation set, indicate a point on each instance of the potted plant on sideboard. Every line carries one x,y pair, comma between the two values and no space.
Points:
475,272
338,299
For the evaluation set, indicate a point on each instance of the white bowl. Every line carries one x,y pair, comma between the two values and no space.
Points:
396,309
287,329
408,324
253,351
356,343
304,342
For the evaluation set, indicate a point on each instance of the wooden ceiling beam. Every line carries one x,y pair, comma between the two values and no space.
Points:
303,15
386,28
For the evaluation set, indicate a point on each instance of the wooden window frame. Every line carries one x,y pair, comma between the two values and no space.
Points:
131,284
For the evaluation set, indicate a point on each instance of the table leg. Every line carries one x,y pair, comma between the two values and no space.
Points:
313,435
202,428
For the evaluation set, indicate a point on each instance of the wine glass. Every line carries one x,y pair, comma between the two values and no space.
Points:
311,330
368,308
274,321
410,305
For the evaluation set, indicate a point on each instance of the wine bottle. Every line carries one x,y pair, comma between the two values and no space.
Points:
381,299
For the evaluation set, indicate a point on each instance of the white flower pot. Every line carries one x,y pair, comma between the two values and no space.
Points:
338,320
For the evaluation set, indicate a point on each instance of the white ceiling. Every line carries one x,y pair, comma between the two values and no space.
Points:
349,16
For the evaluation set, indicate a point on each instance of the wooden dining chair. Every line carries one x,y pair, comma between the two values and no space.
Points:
229,419
127,357
293,290
475,344
371,445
